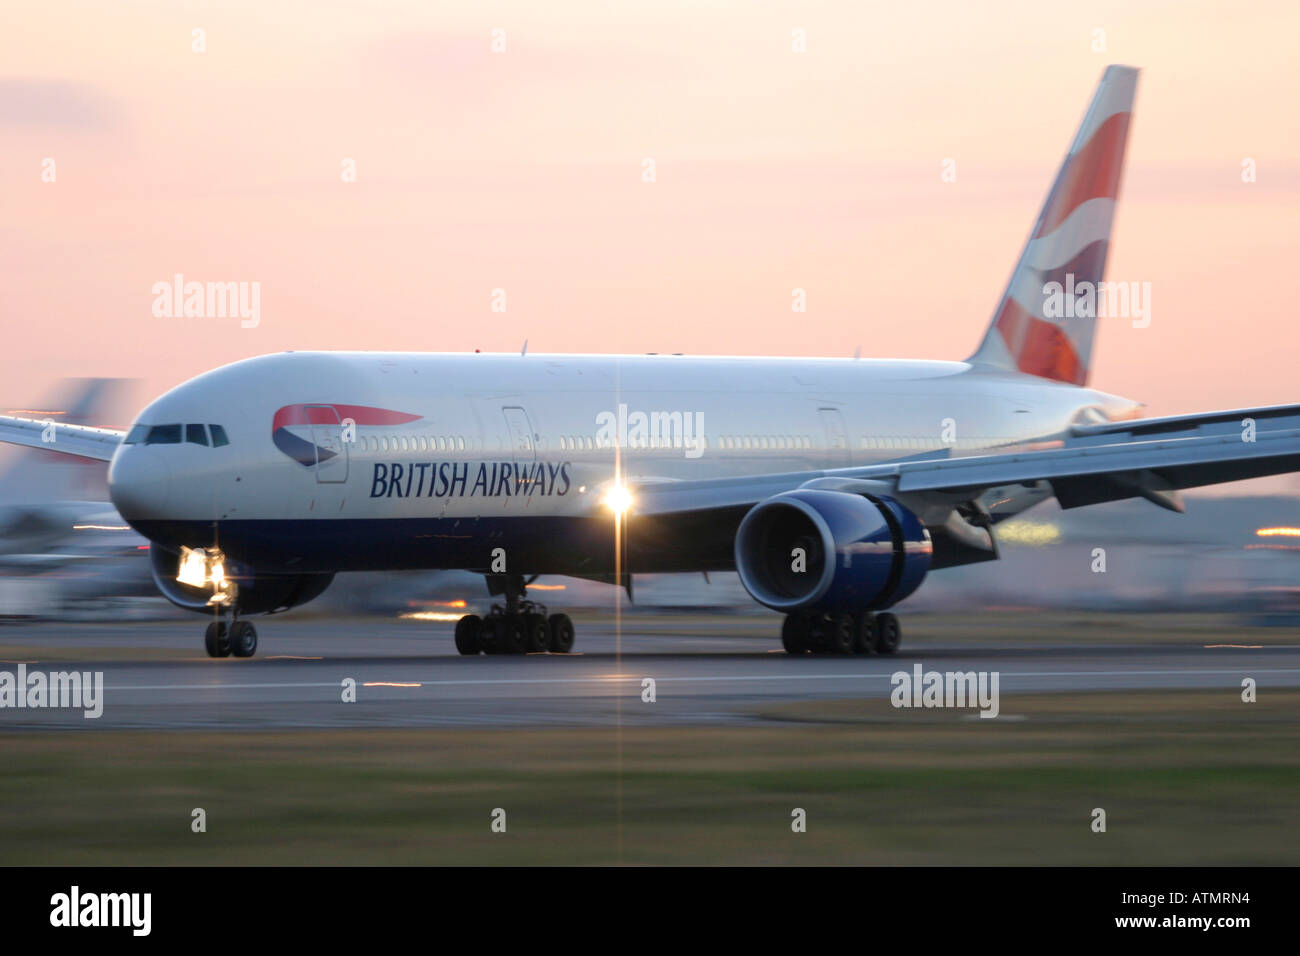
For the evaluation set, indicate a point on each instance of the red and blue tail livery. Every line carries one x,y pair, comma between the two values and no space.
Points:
1067,247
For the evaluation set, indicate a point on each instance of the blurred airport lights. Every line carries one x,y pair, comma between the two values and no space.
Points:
1032,533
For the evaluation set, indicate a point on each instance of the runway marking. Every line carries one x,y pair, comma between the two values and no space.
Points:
721,678
1243,646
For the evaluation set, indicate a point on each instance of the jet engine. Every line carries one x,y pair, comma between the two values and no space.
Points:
831,551
195,579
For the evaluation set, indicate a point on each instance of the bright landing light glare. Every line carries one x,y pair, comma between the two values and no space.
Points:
618,499
194,568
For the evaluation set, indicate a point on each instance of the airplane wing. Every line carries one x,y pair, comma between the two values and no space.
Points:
80,440
1094,463
1149,458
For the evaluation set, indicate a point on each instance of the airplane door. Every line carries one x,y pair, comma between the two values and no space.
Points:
521,434
331,450
837,439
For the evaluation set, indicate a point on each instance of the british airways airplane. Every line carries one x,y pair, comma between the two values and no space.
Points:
833,486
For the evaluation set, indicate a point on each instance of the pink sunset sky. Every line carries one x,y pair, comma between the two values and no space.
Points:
523,171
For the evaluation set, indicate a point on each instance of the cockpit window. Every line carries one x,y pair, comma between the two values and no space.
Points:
164,435
174,434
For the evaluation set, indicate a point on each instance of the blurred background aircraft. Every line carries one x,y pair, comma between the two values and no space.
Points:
64,550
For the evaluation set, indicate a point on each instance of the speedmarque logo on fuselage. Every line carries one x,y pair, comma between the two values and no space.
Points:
293,426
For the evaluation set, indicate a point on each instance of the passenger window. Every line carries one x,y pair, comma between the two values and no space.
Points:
196,435
218,436
164,435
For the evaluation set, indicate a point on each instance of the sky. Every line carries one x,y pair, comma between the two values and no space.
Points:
524,170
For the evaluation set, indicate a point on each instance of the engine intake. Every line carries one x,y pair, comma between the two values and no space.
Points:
833,551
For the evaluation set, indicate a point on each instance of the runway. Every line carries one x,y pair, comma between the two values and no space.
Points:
706,669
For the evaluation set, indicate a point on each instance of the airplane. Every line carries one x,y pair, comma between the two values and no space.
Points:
833,486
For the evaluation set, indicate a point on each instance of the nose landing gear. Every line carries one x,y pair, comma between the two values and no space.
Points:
520,627
239,639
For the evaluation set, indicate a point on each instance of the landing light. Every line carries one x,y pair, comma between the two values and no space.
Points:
618,499
194,567
206,569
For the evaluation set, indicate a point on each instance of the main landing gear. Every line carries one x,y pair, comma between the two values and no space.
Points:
862,633
520,627
239,639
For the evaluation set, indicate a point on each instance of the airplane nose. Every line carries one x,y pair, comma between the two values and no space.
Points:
139,482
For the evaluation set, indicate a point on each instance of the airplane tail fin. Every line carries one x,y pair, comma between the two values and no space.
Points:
1068,245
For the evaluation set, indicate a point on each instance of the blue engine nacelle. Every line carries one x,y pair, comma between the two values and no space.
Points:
831,551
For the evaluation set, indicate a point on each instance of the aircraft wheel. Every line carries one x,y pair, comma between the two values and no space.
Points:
243,639
888,634
488,635
840,633
510,634
561,629
215,641
469,635
864,633
536,635
795,631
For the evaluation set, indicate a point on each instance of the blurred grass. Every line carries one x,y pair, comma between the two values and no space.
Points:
1186,777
